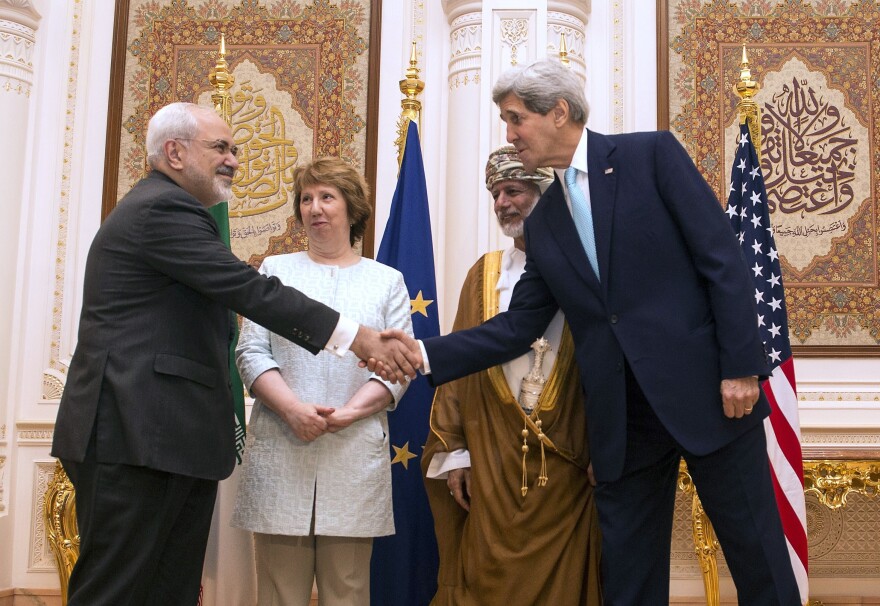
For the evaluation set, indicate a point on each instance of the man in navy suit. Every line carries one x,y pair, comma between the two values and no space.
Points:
145,425
633,246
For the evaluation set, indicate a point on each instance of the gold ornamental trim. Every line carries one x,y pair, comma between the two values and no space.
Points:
411,87
59,511
749,112
550,395
491,274
705,542
833,481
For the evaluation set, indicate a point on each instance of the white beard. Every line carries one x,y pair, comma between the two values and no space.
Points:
220,190
223,190
513,230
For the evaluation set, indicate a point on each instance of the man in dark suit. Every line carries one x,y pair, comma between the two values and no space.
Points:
634,247
145,425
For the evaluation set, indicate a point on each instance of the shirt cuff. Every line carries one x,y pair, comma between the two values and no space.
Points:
343,336
444,462
426,366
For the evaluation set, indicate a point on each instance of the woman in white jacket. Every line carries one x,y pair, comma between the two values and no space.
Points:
316,483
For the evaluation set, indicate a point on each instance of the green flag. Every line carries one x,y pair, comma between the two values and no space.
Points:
220,212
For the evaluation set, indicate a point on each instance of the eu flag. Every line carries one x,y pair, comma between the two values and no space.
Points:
404,565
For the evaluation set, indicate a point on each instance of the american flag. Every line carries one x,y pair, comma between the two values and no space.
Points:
750,218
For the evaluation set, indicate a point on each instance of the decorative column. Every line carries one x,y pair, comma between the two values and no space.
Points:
464,220
18,25
567,20
486,38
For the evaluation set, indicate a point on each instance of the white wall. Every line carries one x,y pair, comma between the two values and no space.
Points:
59,209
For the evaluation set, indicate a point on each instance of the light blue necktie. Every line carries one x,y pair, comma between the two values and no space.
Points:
583,217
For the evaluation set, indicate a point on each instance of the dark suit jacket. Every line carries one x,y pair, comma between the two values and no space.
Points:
675,300
150,373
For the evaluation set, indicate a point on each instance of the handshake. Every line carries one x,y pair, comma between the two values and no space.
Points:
392,354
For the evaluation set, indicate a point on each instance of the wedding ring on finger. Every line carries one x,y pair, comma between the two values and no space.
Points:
748,410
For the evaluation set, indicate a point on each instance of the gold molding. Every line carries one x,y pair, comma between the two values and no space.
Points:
749,112
221,80
58,348
705,542
59,511
411,87
832,481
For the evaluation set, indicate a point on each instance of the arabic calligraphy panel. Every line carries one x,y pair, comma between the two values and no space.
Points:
815,159
271,141
301,75
819,69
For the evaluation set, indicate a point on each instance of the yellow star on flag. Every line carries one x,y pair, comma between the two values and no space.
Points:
403,455
419,305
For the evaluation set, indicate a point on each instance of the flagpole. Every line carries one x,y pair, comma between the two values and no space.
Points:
411,87
705,541
749,112
403,566
747,208
221,80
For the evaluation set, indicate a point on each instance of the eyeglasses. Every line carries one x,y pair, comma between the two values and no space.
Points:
218,145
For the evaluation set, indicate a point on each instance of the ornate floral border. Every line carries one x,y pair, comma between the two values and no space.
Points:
833,300
322,55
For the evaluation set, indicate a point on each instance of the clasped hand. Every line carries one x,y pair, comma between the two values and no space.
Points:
310,421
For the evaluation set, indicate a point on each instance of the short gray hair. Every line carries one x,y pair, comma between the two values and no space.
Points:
174,121
540,85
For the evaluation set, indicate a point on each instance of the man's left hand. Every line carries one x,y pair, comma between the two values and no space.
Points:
739,396
459,483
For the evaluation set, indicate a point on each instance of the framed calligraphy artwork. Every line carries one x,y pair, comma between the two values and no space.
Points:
818,64
306,84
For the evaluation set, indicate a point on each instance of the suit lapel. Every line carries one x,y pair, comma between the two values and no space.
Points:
561,226
602,172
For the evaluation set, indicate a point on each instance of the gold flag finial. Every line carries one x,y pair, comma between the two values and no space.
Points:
411,86
746,88
222,80
563,51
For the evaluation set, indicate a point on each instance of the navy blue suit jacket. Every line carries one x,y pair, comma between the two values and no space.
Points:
675,300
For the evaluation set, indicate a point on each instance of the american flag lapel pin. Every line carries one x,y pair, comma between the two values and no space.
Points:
608,171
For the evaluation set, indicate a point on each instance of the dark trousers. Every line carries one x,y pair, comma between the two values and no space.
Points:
143,535
734,485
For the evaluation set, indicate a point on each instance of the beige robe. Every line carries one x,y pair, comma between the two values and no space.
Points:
513,549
